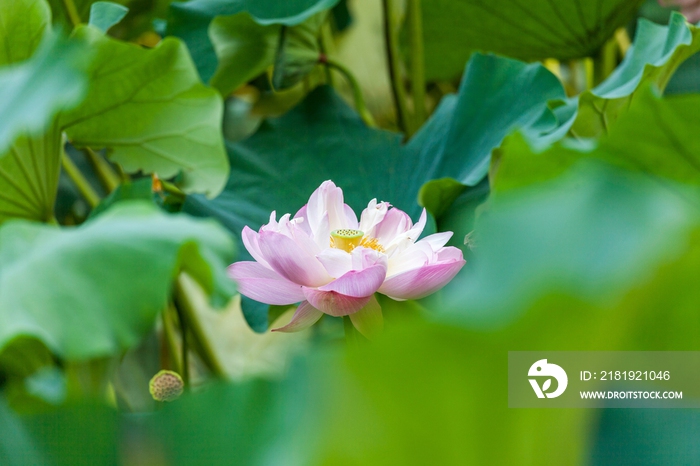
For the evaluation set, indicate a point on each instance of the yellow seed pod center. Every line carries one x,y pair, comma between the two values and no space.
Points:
166,386
346,239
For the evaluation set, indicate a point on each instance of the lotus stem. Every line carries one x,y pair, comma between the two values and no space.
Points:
357,92
108,177
417,69
391,39
72,12
79,180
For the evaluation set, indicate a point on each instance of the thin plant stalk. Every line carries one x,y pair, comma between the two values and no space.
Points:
356,91
186,308
391,39
108,177
417,68
325,42
184,348
72,12
169,336
79,180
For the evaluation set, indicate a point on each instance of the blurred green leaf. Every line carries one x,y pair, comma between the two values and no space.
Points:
462,214
647,437
95,290
686,79
131,190
32,381
298,52
669,149
38,86
371,404
377,405
655,55
244,50
16,445
149,107
40,73
271,415
29,174
528,31
82,435
465,129
23,356
438,195
519,165
48,384
53,79
270,419
190,21
590,234
104,15
24,24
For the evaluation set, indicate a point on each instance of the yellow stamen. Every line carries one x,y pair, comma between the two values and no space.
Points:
372,243
347,240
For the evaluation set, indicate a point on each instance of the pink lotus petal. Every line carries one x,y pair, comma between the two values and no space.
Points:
350,218
301,213
368,320
366,257
273,225
336,262
358,283
334,303
437,240
304,241
411,258
373,215
327,199
321,231
419,283
305,226
417,229
304,317
394,223
250,241
316,207
264,285
449,253
363,258
322,234
291,260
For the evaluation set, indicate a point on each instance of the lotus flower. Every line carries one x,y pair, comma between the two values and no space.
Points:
332,264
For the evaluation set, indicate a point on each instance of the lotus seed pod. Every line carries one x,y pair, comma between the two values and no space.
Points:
166,386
